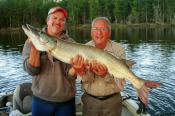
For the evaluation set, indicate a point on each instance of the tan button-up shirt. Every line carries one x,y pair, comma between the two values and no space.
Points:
107,85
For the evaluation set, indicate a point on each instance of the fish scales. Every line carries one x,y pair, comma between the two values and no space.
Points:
65,50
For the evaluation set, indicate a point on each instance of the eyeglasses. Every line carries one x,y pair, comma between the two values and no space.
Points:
100,29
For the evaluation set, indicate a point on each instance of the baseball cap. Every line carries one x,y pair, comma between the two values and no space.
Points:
55,9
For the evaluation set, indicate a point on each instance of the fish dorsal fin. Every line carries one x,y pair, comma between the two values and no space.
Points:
124,62
127,63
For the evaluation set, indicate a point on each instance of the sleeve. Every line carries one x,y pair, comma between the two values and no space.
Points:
117,50
121,53
25,54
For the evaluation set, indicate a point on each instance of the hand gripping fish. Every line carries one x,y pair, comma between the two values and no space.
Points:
64,51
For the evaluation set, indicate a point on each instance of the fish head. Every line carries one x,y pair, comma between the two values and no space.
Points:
33,35
49,41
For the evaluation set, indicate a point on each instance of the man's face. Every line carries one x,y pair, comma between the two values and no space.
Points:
56,23
100,33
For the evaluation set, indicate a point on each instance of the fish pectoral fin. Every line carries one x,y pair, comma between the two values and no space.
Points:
50,57
152,84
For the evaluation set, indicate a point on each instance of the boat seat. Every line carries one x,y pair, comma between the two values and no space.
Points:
22,98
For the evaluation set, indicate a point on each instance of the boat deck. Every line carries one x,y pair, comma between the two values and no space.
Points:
129,107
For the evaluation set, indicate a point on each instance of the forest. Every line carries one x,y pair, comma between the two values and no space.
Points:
14,13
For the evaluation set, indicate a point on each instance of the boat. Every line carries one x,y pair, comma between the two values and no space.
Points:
129,106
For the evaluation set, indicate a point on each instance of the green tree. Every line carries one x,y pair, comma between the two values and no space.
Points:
122,10
146,11
93,9
106,8
134,16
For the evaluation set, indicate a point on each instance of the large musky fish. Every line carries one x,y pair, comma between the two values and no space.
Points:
64,51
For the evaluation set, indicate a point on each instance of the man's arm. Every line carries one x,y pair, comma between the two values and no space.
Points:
34,58
31,59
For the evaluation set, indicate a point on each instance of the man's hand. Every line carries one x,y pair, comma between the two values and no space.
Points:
98,68
78,66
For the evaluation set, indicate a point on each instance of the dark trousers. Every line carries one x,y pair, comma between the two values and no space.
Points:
46,108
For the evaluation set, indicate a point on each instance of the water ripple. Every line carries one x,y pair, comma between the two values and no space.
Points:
155,60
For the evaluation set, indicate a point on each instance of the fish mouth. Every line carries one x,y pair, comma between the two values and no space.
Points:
25,28
34,35
33,32
28,29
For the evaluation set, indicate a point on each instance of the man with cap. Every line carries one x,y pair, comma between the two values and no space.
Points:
52,86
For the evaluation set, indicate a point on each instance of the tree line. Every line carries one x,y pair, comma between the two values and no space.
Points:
14,13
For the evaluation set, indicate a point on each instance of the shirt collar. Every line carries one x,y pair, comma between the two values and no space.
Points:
108,45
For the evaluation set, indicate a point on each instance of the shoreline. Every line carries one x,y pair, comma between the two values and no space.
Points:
135,25
114,25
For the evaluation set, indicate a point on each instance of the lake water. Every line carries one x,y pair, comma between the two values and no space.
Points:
152,48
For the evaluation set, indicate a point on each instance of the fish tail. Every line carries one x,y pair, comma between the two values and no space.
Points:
139,82
144,90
